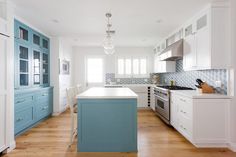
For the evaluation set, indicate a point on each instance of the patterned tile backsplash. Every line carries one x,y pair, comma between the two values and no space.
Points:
110,77
188,78
181,78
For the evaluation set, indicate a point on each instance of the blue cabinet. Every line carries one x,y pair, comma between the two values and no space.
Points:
32,51
33,94
32,106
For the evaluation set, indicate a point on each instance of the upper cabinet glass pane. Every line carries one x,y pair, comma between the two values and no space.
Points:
23,34
24,66
36,39
45,43
24,51
45,58
202,22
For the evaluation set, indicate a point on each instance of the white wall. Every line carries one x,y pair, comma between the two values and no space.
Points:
233,76
60,49
79,54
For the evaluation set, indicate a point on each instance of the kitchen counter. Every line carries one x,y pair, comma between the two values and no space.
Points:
107,120
130,85
107,93
195,95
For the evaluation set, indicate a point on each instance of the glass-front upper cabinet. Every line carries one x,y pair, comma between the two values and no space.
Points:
23,65
36,39
45,44
45,69
36,67
31,57
22,33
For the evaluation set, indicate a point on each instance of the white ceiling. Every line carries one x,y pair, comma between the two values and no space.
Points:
84,22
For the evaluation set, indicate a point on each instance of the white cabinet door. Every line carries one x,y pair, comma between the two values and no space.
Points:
163,66
190,54
142,99
3,92
202,37
173,111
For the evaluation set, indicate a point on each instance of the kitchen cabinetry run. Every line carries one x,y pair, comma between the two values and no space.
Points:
203,121
33,94
206,39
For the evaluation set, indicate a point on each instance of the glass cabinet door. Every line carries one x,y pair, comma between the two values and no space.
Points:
36,39
23,66
36,67
22,33
45,69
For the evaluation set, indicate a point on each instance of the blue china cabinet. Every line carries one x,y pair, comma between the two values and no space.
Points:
33,94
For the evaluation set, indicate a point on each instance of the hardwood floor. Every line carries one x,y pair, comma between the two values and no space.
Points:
155,139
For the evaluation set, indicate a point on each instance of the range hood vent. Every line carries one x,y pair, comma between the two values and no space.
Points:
173,52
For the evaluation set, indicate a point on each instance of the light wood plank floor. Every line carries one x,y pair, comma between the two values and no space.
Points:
155,139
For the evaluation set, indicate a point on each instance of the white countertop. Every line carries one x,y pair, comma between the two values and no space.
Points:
107,93
125,85
195,95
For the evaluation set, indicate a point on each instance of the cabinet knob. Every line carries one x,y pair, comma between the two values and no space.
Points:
20,101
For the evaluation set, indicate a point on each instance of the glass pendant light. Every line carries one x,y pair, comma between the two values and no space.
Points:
108,44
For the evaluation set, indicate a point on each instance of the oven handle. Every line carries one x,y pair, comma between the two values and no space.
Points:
161,98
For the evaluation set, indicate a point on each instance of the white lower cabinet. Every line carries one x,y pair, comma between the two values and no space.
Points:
142,92
203,121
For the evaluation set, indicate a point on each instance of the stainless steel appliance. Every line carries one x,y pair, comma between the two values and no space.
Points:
162,101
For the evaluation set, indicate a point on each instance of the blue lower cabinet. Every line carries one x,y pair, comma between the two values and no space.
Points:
23,118
32,106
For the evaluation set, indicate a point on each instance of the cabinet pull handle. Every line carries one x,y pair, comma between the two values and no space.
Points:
183,111
183,100
183,127
44,94
44,108
20,101
19,119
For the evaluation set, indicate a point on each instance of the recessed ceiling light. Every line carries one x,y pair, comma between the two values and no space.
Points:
159,21
55,21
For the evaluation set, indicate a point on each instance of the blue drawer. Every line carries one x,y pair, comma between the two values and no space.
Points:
43,109
31,106
23,118
24,100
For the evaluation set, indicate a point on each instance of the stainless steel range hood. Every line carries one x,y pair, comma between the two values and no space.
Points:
173,52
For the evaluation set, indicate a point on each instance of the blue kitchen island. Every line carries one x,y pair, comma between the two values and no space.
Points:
107,120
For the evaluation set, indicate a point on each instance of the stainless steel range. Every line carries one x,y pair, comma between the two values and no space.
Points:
162,101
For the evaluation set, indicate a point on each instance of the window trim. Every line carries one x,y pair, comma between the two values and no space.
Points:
86,70
132,75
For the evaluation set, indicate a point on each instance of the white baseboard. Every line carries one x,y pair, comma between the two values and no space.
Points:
58,113
232,146
11,147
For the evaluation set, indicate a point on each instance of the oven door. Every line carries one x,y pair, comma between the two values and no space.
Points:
162,107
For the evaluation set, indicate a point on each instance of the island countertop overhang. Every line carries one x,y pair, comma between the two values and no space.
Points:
107,93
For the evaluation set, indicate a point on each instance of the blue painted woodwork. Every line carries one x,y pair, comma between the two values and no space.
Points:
107,125
31,106
33,94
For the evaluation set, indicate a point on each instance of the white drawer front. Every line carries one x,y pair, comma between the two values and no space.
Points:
185,126
185,106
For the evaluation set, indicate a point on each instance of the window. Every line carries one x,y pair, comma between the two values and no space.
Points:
94,70
132,67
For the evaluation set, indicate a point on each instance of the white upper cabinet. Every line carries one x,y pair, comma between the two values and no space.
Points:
163,66
206,40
